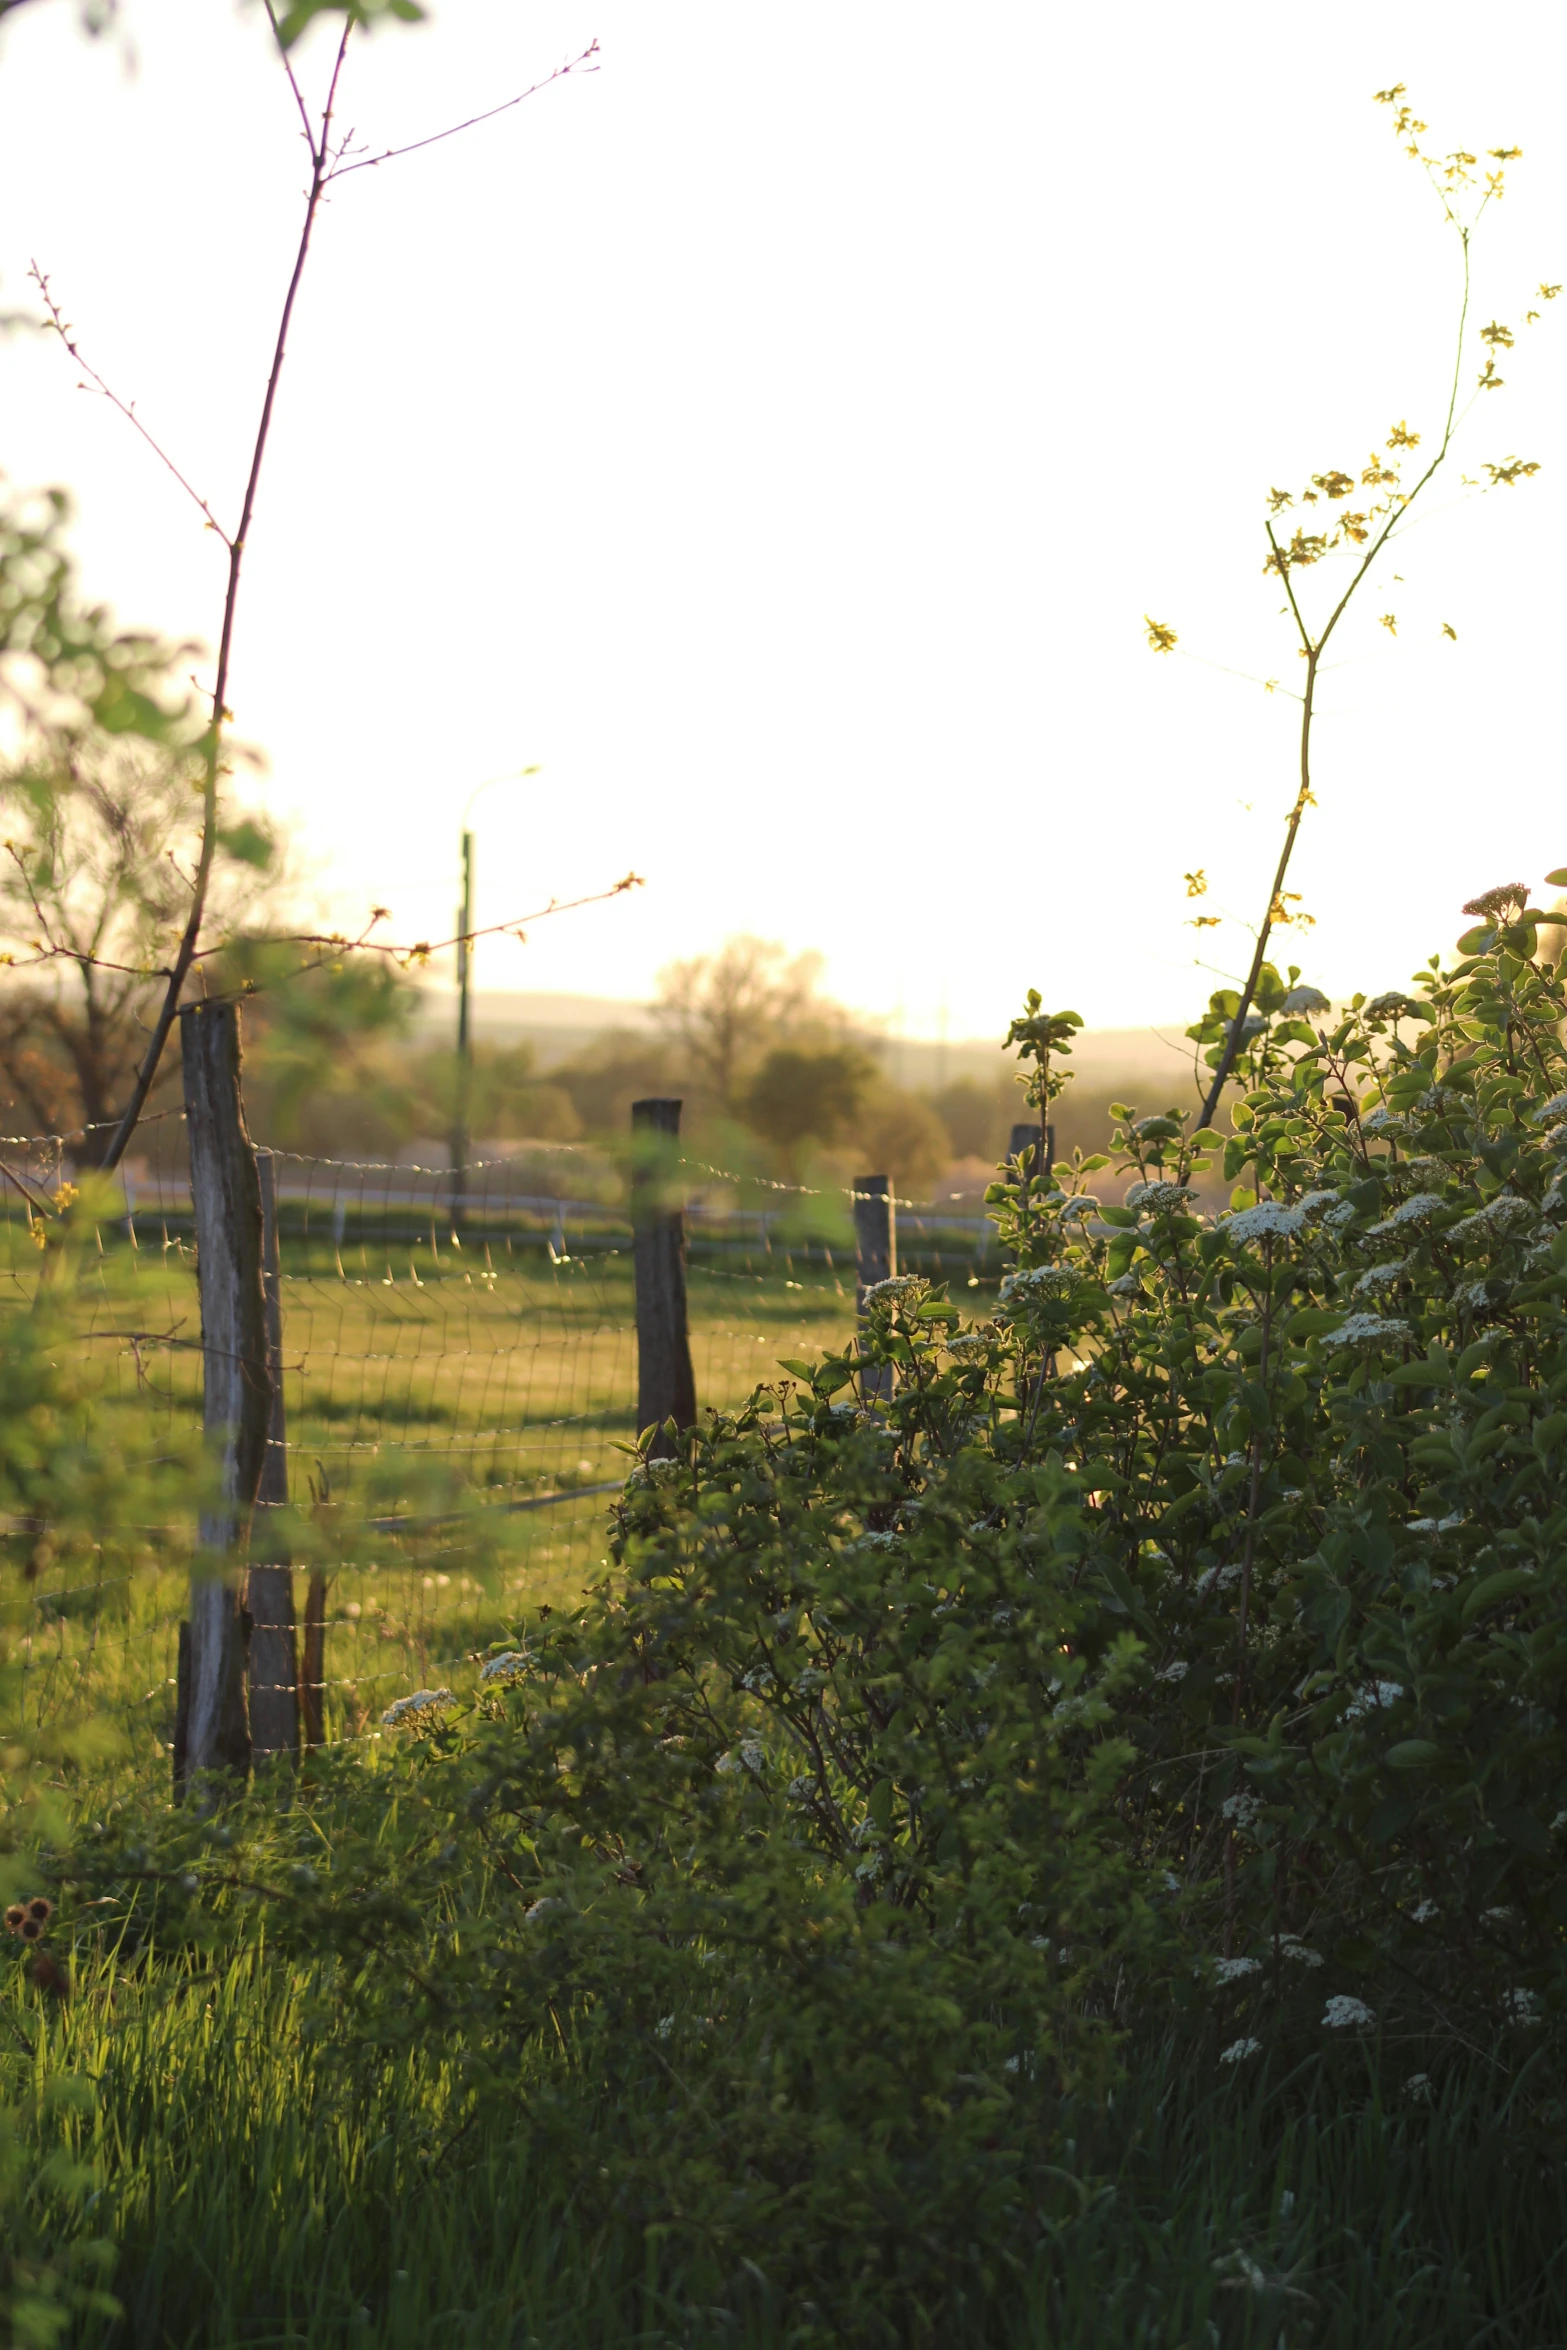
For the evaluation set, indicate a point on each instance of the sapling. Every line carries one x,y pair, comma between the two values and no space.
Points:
1356,518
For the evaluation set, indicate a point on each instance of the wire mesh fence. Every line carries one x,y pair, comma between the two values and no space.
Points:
459,1375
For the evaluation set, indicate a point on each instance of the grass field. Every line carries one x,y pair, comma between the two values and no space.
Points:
409,1355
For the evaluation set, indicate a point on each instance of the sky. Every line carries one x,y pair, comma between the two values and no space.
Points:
777,437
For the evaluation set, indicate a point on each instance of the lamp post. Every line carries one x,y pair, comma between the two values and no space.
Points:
463,1076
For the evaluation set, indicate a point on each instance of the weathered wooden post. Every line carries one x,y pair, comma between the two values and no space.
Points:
269,1586
666,1387
1026,1137
876,1259
226,1193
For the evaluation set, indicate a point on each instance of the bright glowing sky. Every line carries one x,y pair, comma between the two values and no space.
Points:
779,435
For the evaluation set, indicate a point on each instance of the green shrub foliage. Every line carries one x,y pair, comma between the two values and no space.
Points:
1179,1651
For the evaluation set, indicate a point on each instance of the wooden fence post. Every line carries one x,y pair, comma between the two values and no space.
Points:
226,1194
269,1586
666,1387
876,1259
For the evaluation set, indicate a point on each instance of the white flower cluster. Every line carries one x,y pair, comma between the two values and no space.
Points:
1423,1912
1174,1672
749,1755
1306,999
1128,1285
1413,1210
1554,1108
1373,1696
1523,2007
1080,1207
504,1669
423,1703
1367,1330
1344,2014
1159,1198
1241,1810
1239,2050
888,1293
1499,1217
1300,1953
1313,1202
1386,1122
1378,1278
1038,1281
970,1345
1270,1219
1232,1970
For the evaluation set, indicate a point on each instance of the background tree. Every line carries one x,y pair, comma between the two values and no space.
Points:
801,1095
103,829
722,1010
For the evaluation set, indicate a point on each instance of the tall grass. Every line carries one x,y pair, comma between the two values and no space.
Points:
264,2187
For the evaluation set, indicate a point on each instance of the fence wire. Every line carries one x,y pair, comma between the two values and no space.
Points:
440,1338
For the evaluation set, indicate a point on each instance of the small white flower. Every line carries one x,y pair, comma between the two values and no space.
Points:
1239,2050
1367,1330
664,2026
1082,1205
1298,1952
1231,1970
1371,1696
1176,1671
970,1345
1554,1108
544,1908
1157,1198
1559,1823
1343,2014
1306,999
1523,2007
759,1678
1129,1285
1315,1201
1039,1281
506,1668
888,1293
809,1681
1241,1809
417,1707
1269,1219
1342,1212
1377,1278
1498,1916
1419,2088
1500,1216
1472,1297
1384,1122
1424,1912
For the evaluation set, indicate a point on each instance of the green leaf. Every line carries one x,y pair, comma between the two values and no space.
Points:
1501,1585
1413,1754
1558,879
796,1369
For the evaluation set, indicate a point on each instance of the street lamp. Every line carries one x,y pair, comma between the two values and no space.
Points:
462,1085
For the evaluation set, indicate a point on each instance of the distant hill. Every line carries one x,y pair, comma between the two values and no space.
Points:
1144,1061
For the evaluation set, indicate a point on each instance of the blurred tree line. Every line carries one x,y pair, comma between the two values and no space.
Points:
777,1077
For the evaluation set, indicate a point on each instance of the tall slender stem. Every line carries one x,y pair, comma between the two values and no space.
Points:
1313,649
320,173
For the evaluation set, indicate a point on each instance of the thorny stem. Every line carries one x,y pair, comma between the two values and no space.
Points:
1313,650
320,165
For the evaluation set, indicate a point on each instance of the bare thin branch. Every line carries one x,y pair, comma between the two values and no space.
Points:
127,408
390,154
